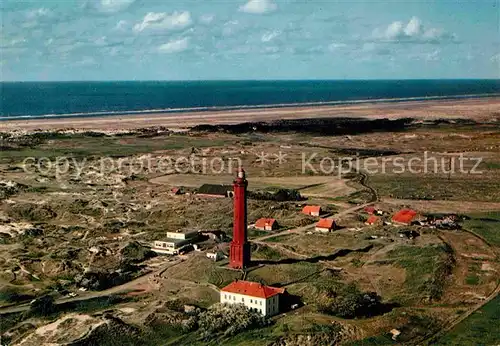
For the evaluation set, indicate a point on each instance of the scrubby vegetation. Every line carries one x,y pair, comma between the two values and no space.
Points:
227,320
280,195
427,270
350,302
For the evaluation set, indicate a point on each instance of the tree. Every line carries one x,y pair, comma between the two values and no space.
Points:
350,302
43,306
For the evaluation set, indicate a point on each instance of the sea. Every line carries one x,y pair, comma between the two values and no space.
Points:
24,100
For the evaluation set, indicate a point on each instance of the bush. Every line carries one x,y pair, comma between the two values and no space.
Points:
281,195
229,320
349,302
134,252
43,306
13,295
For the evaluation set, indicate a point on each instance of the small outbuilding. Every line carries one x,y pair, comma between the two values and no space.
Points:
325,225
370,210
372,220
175,191
313,210
215,256
266,224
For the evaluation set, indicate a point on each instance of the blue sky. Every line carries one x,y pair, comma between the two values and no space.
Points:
248,39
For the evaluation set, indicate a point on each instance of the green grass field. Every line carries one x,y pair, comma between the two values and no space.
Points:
481,328
425,268
486,225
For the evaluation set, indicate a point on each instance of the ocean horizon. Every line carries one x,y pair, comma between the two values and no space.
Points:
29,100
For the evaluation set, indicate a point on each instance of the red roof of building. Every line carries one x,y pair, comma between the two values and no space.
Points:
264,222
253,289
309,209
326,223
370,210
404,216
372,219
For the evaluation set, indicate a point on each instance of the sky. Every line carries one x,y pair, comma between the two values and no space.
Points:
59,40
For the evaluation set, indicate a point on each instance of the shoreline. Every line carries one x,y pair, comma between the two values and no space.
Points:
478,109
245,107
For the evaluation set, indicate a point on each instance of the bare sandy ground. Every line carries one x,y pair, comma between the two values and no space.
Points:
477,109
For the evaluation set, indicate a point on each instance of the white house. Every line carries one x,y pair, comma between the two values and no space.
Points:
168,246
254,295
325,225
182,234
174,241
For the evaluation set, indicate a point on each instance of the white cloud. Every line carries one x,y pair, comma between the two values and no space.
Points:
112,6
413,31
17,41
336,46
432,56
163,21
174,46
207,18
495,58
269,36
39,13
86,61
230,27
414,27
101,41
121,25
259,7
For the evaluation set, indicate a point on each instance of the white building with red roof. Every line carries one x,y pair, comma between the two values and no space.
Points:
254,295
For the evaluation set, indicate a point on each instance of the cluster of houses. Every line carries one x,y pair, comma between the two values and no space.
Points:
323,225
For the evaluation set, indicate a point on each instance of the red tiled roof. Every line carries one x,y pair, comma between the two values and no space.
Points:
326,223
370,210
253,289
309,209
372,219
404,216
263,222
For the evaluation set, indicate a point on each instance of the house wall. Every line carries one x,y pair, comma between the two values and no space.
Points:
182,235
322,229
168,247
267,307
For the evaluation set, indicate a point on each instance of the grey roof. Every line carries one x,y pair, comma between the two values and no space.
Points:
212,189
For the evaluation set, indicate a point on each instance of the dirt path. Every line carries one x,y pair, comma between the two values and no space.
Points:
128,286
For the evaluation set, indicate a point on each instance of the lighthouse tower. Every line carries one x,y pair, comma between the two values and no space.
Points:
239,255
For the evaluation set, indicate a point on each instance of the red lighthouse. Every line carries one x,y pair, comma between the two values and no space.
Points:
239,255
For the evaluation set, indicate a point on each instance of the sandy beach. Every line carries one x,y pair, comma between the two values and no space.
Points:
480,109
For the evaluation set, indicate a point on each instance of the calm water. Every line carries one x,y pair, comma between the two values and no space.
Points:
35,99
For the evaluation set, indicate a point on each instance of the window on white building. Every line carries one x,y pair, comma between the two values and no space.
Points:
251,301
242,299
